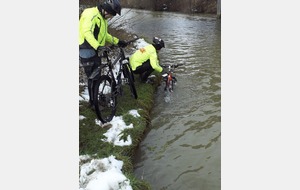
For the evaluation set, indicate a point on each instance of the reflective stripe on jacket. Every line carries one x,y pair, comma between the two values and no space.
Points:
142,55
93,30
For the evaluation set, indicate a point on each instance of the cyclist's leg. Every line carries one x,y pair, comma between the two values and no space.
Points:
92,79
144,70
146,74
89,70
88,61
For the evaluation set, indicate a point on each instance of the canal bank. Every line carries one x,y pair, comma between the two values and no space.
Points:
92,147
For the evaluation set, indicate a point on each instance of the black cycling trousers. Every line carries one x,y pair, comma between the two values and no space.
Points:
89,66
144,70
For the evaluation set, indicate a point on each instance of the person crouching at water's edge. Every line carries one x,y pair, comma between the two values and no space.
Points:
145,60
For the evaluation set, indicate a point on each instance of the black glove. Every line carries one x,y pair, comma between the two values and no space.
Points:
102,51
122,43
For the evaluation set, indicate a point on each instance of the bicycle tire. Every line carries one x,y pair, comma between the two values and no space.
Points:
131,72
173,81
169,83
105,101
166,83
170,86
129,75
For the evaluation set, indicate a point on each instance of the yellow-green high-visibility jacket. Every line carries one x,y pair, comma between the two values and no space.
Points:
142,55
93,30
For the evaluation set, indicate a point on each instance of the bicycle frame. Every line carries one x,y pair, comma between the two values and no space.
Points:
168,77
115,69
114,73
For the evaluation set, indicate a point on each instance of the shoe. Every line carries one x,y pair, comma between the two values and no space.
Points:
149,81
152,77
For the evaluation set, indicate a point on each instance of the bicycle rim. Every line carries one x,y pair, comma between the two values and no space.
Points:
104,99
169,85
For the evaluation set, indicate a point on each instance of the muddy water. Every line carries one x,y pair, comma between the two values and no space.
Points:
182,150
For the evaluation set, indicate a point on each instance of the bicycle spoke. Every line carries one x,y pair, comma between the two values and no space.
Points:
105,101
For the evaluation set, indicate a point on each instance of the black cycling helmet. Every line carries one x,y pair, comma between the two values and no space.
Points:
158,43
113,7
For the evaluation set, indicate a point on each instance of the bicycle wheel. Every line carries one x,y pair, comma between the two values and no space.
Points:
130,69
129,75
104,99
172,84
131,72
166,85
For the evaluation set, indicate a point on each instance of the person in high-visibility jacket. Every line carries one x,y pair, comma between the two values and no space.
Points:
93,35
145,60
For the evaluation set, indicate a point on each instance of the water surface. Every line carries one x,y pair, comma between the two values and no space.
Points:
183,148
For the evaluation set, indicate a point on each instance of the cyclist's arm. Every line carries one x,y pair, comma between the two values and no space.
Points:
111,39
88,33
154,62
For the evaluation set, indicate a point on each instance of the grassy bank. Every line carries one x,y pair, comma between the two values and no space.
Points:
90,134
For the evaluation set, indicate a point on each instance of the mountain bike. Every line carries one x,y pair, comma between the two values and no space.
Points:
168,77
115,71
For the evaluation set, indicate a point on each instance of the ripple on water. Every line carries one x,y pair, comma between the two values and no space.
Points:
183,147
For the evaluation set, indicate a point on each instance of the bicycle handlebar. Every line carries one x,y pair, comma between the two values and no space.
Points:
105,49
127,43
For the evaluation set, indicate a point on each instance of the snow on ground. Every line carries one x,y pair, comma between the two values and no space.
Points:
118,125
106,173
102,174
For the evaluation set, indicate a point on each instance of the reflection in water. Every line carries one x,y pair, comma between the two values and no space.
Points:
183,148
